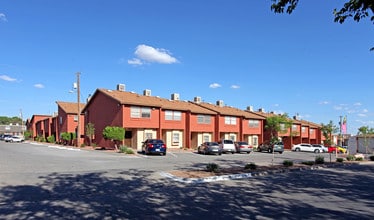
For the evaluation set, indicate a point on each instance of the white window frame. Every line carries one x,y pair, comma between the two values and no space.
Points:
253,123
203,119
230,120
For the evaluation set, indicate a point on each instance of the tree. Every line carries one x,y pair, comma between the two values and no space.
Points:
66,137
365,131
276,125
90,131
327,131
7,120
358,9
115,134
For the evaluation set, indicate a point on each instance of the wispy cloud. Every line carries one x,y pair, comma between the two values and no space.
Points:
7,78
3,17
324,103
39,86
147,54
235,87
214,85
357,104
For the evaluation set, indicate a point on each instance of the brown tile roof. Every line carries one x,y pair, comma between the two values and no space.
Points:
295,121
70,107
130,98
229,111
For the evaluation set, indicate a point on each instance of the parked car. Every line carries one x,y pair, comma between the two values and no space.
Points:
154,146
4,136
209,148
339,149
271,147
242,146
227,146
306,148
323,148
14,139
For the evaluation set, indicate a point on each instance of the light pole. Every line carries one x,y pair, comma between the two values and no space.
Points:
79,110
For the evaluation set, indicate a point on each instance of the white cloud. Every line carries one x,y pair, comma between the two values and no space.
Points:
324,103
39,86
235,87
3,17
357,104
365,111
135,61
7,78
150,54
361,115
337,107
214,85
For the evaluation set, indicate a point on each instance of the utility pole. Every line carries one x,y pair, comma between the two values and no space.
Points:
79,110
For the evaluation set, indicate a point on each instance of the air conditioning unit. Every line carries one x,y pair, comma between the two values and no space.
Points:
197,99
121,87
175,96
220,103
147,92
250,108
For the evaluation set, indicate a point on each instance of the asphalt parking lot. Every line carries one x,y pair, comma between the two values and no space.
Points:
44,182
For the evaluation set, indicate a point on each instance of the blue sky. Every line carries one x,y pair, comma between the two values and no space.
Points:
236,51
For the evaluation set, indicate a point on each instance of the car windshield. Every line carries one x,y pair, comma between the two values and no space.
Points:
212,143
155,141
228,142
242,143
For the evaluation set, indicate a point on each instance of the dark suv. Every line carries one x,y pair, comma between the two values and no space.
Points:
270,147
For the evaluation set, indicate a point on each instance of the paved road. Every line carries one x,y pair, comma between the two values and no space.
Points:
41,182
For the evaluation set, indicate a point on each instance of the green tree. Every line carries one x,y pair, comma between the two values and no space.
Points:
365,131
277,124
28,134
327,131
7,120
114,134
356,9
90,131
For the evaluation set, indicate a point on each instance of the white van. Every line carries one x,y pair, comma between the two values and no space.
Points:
227,146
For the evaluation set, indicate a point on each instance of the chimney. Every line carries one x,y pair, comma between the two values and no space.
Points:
220,103
175,96
147,92
250,108
121,87
261,110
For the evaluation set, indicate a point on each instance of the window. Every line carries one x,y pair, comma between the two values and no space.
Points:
60,120
312,131
303,129
75,117
140,112
203,119
229,120
175,138
173,115
255,140
294,127
148,135
206,138
253,123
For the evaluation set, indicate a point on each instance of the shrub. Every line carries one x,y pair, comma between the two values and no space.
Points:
310,163
359,159
340,160
288,163
371,158
350,157
319,160
250,166
212,167
51,139
126,150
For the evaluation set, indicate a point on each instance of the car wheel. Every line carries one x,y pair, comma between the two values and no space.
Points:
219,154
280,152
316,151
248,152
297,149
270,151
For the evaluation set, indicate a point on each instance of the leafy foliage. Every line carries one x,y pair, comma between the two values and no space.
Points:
90,131
288,163
277,124
7,120
327,131
319,160
212,167
114,134
357,9
250,166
